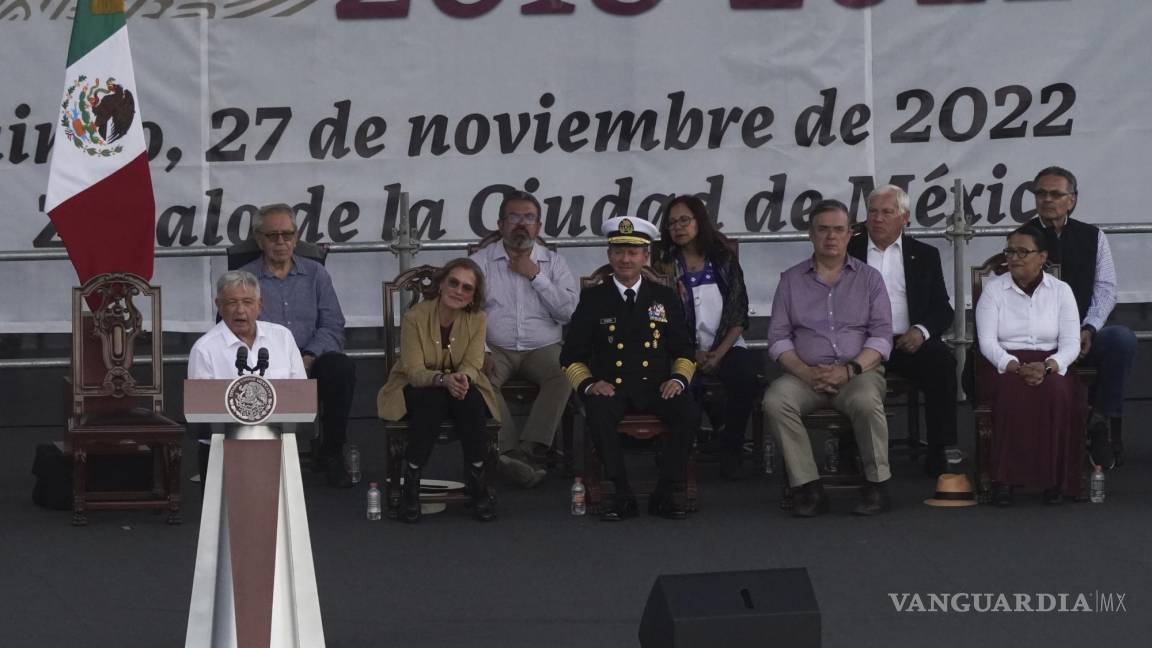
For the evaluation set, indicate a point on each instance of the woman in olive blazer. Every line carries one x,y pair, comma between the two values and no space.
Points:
439,375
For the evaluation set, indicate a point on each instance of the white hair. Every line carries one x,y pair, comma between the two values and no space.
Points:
237,278
266,210
903,202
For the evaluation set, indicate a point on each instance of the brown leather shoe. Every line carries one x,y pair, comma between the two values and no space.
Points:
811,500
873,499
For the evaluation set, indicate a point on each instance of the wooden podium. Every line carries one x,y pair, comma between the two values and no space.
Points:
255,584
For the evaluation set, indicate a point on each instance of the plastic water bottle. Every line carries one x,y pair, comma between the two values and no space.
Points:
373,501
578,492
769,454
1096,487
832,455
353,464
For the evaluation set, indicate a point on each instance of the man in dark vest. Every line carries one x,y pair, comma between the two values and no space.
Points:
628,350
921,313
1086,264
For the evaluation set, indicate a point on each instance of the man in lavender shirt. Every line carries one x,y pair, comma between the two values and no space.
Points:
831,328
530,296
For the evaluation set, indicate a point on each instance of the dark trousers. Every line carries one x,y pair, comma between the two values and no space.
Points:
335,375
932,369
428,407
737,372
679,414
1113,353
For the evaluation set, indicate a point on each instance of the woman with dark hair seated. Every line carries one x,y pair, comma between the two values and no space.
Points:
711,284
438,376
1029,331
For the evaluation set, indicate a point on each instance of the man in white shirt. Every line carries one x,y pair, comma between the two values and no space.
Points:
921,313
214,354
531,295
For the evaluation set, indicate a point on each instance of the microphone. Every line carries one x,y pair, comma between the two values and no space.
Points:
241,360
261,361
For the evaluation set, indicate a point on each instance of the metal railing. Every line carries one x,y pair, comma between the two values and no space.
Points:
959,232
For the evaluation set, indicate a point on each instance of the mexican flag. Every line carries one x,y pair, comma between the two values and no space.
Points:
99,188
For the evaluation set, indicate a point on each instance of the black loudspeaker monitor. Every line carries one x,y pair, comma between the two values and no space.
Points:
763,608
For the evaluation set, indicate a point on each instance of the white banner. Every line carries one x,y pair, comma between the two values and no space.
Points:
599,107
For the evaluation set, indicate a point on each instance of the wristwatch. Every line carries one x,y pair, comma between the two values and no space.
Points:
856,368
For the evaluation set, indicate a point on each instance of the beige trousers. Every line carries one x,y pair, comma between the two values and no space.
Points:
861,399
541,367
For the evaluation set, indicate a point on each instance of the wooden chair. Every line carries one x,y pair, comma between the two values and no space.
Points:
993,267
845,473
641,427
114,409
407,289
520,393
900,390
840,473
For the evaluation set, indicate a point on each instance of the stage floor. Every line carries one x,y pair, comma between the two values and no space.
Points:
539,577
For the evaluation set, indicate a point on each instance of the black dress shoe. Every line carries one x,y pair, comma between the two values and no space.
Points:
618,507
873,499
811,500
1001,494
1053,496
668,504
935,462
410,496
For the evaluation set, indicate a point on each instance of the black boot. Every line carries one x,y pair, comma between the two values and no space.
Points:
483,502
410,495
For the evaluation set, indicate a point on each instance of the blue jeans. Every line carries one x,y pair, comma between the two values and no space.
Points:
1113,353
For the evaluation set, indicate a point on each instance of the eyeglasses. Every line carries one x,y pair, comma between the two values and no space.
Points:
456,284
1042,194
674,223
526,219
1017,253
279,236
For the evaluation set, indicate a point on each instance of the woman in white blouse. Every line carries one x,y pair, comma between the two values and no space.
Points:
710,282
1029,331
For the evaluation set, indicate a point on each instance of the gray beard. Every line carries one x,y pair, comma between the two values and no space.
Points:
519,242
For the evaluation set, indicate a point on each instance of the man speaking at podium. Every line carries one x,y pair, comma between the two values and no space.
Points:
215,354
255,582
